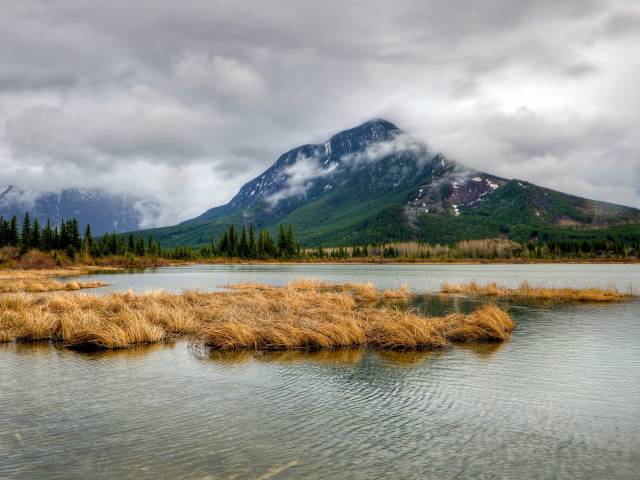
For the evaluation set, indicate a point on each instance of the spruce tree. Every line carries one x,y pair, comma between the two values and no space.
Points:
26,232
56,239
283,249
4,232
140,248
213,249
88,238
131,243
64,235
291,242
233,241
243,244
14,235
269,246
35,234
261,250
253,247
224,247
76,240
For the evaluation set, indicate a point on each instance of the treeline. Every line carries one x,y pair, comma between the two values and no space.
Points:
247,245
491,249
243,244
31,235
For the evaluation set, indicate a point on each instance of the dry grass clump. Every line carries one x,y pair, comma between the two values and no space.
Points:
402,292
39,281
527,292
251,318
362,292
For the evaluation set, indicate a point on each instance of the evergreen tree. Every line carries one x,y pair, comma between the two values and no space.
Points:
140,248
243,244
56,239
282,243
291,242
88,239
131,244
122,246
113,243
261,250
269,246
14,235
76,240
35,234
213,249
4,232
253,247
64,235
26,232
233,241
224,246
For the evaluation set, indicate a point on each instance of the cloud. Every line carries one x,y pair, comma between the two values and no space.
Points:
300,177
188,101
376,151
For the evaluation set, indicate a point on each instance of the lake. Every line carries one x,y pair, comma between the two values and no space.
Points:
560,399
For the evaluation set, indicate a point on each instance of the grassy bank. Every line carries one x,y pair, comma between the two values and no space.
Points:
41,281
528,292
305,314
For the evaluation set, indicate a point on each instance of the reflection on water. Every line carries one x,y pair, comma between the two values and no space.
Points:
558,400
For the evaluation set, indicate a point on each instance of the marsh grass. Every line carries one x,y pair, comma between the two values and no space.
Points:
41,281
254,317
528,292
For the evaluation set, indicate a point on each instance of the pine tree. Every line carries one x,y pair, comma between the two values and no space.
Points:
283,249
224,247
131,244
261,249
14,236
269,246
88,238
253,247
243,244
4,232
26,232
140,248
213,249
56,239
76,240
64,235
233,241
113,243
35,234
291,242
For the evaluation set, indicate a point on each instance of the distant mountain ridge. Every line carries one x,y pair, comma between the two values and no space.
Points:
105,212
375,183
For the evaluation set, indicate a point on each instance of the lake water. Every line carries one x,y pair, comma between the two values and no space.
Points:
560,399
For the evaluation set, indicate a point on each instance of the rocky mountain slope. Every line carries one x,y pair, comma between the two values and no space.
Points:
375,183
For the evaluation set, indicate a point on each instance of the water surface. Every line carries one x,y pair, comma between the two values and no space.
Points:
558,400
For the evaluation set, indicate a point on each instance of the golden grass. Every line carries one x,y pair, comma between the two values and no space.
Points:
527,292
39,281
258,317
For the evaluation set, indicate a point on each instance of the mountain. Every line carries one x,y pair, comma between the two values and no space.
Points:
105,212
374,183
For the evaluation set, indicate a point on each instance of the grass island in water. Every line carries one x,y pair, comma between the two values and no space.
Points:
303,314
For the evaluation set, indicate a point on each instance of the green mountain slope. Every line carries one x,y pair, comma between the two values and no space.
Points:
373,183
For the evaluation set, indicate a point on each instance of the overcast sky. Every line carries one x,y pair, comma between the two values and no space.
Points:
188,100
